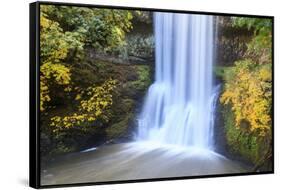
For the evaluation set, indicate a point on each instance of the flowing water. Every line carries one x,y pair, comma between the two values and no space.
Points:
175,132
132,161
179,108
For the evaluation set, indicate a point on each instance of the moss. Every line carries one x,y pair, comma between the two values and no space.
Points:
224,72
143,80
219,71
128,105
120,128
240,142
131,89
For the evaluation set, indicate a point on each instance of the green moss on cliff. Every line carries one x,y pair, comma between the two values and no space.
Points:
247,146
124,108
223,72
238,141
118,129
143,78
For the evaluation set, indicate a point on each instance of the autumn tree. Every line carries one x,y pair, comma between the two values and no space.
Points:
65,33
94,103
64,30
247,95
248,90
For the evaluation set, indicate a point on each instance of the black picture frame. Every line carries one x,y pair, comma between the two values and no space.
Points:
34,94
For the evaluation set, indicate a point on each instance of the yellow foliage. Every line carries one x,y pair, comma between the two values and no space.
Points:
57,72
249,93
98,100
78,97
44,93
53,50
53,42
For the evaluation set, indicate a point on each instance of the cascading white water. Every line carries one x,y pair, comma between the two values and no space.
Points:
179,106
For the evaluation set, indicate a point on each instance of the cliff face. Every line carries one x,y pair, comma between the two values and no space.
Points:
131,65
138,47
232,139
231,42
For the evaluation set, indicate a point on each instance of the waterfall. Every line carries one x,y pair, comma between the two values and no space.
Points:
179,105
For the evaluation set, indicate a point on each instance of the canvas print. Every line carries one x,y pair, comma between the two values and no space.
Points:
133,94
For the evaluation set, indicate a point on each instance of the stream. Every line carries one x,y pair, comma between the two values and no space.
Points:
132,161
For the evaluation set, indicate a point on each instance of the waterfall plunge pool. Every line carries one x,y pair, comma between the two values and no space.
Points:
138,160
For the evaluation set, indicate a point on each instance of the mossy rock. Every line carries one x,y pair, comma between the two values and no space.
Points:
143,80
127,105
118,129
248,146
